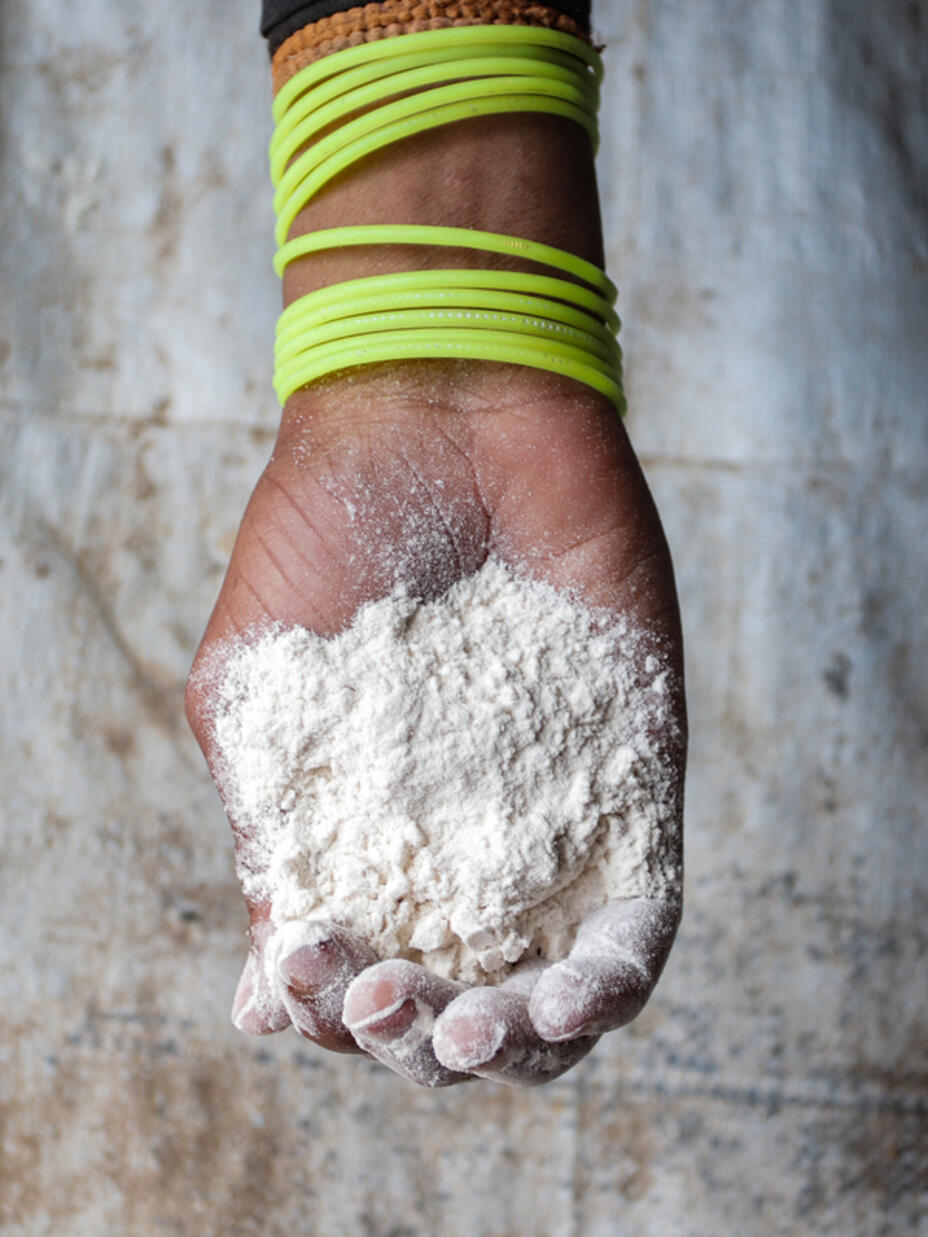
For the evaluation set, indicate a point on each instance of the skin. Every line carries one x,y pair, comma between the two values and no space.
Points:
418,470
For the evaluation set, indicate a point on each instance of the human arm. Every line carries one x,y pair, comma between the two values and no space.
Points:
417,470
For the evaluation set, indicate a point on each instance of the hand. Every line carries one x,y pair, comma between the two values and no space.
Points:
418,471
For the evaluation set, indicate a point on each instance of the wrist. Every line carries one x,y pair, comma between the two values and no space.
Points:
527,175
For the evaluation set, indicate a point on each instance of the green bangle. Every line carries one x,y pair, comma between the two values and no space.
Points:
290,370
439,298
429,286
543,321
416,114
330,102
483,345
540,329
567,91
432,234
439,301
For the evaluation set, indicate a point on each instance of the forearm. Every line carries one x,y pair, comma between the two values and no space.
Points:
405,480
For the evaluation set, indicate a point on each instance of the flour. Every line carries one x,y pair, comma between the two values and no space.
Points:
459,781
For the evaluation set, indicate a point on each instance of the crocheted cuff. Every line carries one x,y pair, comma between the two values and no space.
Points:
384,18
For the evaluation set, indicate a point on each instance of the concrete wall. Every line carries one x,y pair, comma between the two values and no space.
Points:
763,173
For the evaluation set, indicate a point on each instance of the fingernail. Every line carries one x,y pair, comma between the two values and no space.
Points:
306,957
388,1023
311,967
466,1046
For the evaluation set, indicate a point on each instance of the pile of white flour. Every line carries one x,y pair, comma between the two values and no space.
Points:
459,781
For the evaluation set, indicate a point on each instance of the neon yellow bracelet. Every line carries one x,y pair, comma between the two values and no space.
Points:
430,283
541,321
415,114
333,99
299,326
427,109
432,234
291,360
434,295
406,345
381,304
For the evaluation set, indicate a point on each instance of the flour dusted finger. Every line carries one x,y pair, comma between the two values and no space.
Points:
488,1032
256,1007
611,971
391,1009
314,963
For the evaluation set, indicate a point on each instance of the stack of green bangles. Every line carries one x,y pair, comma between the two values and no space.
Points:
543,321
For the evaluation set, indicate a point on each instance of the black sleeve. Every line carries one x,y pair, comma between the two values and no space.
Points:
280,18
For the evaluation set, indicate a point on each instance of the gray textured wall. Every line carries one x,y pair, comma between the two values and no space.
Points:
763,172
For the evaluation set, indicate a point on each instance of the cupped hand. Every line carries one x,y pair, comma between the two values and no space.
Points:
417,471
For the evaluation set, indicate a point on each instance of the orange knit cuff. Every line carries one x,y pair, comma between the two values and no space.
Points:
380,20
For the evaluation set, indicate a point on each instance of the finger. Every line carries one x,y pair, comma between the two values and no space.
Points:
314,964
256,1007
488,1032
390,1010
611,971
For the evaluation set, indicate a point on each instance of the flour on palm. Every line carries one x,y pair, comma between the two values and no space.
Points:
458,780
